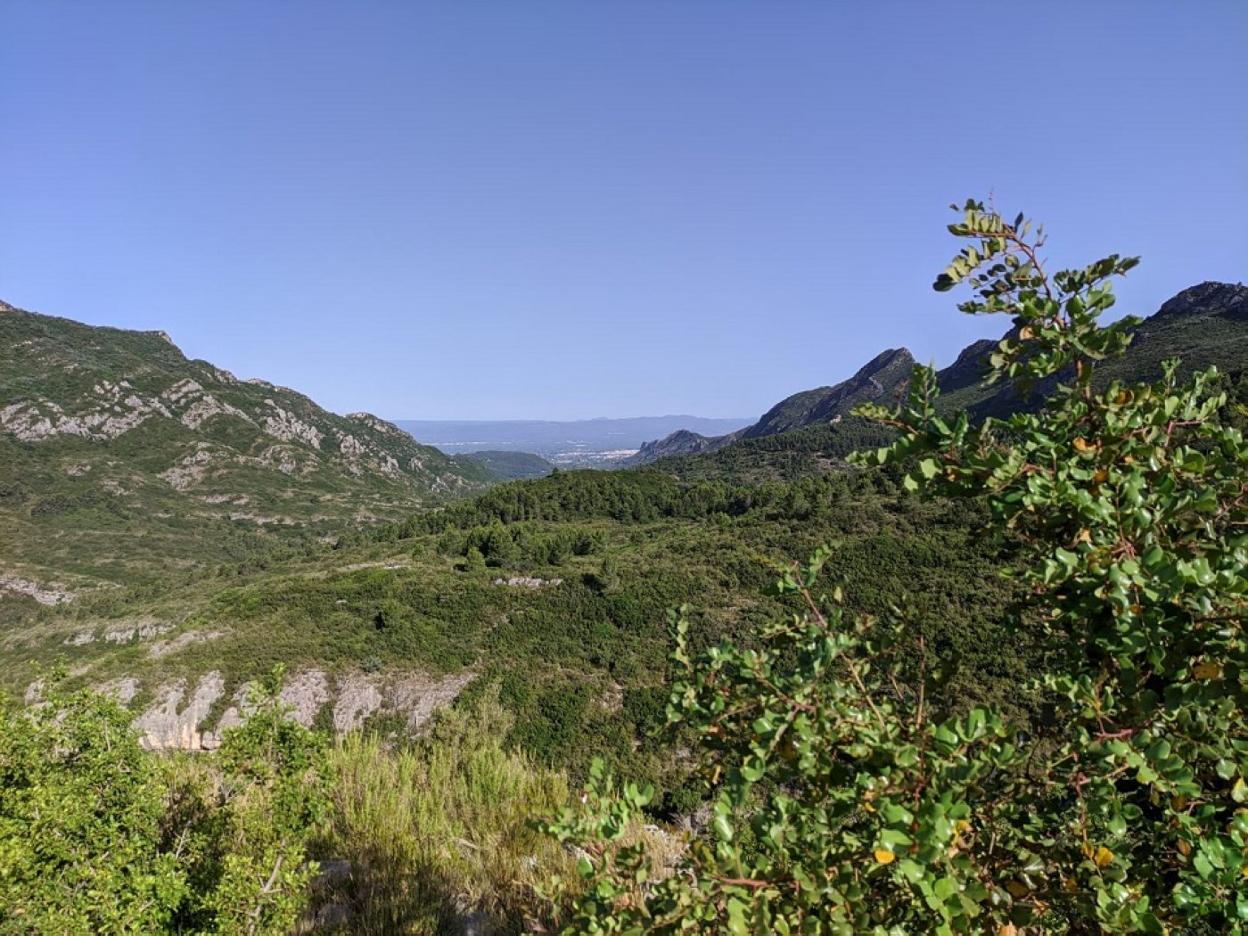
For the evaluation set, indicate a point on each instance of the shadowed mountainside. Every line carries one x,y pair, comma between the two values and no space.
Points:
1202,325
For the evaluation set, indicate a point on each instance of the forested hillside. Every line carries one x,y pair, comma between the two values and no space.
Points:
557,587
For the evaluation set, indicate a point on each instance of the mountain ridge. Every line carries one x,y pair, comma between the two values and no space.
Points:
887,374
879,378
116,432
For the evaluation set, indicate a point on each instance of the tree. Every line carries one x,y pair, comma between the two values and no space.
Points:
843,804
99,837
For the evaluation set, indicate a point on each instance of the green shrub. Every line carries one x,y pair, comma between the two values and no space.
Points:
844,802
80,823
99,837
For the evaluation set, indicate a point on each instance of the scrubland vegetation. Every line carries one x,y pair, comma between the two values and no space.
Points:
1005,695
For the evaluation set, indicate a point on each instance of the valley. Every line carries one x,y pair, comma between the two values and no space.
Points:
385,583
470,469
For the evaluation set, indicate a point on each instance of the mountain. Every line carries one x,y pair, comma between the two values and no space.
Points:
1203,325
680,442
881,378
122,457
509,466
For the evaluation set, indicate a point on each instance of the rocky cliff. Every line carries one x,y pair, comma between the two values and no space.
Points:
1201,325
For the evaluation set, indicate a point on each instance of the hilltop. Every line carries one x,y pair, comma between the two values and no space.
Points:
1202,325
124,459
878,379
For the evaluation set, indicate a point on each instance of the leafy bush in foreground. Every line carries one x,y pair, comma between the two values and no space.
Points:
80,813
842,805
98,836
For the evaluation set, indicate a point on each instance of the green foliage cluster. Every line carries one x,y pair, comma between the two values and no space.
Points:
508,465
846,801
80,823
522,543
98,836
408,599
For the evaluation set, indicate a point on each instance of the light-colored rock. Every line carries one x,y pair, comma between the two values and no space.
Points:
34,692
169,725
525,581
418,696
305,694
52,593
164,648
141,631
285,425
122,690
190,470
358,697
232,717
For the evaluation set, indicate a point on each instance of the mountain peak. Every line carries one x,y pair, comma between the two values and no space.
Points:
1209,296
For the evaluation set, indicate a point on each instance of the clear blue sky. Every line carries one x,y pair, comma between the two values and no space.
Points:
527,209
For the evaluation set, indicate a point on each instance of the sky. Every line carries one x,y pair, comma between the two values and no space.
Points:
568,210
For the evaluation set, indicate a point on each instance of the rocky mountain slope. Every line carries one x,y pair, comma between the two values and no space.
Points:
120,457
1203,325
881,378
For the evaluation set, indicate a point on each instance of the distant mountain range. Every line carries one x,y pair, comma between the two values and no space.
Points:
1202,325
572,443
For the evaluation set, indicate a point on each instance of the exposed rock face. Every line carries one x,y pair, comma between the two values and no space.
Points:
51,593
285,425
122,634
175,721
1225,299
524,581
358,697
120,690
170,723
418,697
76,391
